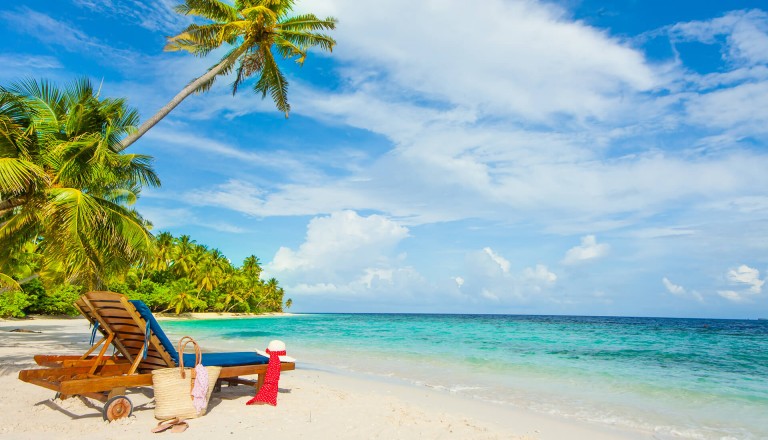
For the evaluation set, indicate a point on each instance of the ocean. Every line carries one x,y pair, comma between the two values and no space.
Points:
676,378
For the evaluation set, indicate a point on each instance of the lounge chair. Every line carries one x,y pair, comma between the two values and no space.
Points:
140,347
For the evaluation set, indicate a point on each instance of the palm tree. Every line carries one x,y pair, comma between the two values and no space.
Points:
183,256
65,186
163,255
253,29
183,298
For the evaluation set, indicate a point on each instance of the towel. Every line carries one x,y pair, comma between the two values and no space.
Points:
200,388
268,391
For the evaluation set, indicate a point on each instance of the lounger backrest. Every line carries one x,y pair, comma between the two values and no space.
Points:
155,328
118,316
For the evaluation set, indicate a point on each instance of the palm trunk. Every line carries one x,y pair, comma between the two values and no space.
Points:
183,94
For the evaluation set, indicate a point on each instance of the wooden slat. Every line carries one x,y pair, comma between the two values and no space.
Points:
104,324
97,384
246,370
51,385
102,295
106,370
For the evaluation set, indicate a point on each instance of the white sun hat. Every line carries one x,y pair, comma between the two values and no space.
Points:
278,346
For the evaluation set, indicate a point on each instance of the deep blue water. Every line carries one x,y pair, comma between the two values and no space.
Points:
690,378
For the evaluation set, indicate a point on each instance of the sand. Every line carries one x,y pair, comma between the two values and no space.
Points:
312,403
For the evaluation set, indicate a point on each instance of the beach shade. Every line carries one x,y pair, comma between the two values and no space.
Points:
267,394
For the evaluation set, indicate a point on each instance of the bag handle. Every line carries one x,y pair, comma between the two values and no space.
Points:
182,345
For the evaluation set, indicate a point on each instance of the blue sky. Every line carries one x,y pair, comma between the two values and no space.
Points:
562,157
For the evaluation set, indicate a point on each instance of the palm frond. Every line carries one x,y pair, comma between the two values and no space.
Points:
273,81
306,40
307,22
18,176
8,284
211,9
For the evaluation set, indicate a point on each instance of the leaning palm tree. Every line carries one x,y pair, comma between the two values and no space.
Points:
253,29
64,184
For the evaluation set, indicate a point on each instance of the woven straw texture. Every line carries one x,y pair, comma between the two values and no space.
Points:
173,387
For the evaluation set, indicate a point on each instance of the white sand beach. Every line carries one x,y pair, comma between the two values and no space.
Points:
311,404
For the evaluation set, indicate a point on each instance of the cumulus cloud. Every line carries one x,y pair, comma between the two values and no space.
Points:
589,249
747,284
746,275
344,253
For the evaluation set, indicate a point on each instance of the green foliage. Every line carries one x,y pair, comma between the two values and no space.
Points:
66,186
59,301
66,190
13,303
184,276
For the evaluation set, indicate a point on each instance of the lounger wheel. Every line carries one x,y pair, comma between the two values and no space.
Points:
117,408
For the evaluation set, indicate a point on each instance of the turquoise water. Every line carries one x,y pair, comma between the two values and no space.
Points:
677,378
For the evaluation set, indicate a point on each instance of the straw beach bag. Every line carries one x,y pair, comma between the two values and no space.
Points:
173,387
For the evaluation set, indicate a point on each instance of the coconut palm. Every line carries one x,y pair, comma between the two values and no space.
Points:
183,256
64,184
253,30
163,252
183,296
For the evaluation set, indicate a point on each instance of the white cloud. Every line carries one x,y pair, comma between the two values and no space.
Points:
489,276
673,288
540,274
747,275
746,34
589,249
527,60
498,259
157,15
747,284
164,219
352,253
60,33
732,295
681,291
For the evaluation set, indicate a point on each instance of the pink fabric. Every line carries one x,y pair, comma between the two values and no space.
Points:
268,391
200,389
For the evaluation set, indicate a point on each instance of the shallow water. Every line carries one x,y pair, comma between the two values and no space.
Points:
689,378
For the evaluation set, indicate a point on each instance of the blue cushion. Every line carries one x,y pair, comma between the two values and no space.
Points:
156,329
226,359
209,359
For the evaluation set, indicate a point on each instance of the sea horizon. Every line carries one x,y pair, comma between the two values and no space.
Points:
518,314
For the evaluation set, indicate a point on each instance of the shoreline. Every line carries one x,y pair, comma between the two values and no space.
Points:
162,316
313,402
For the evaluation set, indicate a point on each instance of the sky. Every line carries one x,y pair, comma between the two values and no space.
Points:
579,157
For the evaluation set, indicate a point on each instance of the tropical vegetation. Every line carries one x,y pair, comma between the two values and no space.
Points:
66,191
183,276
67,222
253,31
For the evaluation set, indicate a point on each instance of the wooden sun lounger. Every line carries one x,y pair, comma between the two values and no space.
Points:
106,377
